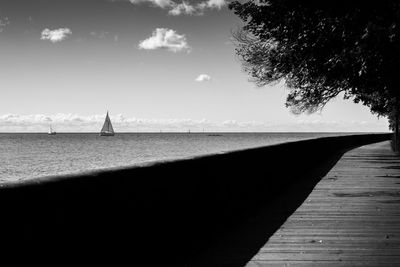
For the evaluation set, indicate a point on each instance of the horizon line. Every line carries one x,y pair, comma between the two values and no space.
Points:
192,132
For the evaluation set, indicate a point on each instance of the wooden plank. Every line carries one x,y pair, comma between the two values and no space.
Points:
351,218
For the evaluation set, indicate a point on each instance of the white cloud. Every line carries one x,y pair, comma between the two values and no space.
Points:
165,39
218,4
203,78
184,7
4,22
76,123
159,3
55,36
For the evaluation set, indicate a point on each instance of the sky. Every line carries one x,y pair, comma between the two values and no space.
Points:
155,65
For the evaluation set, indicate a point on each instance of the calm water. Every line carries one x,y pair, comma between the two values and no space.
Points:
26,156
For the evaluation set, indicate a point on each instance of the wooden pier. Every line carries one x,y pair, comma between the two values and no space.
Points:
351,218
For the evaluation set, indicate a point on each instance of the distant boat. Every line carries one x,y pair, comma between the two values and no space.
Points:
107,129
51,132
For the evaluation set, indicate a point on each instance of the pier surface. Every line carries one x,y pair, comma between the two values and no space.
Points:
351,218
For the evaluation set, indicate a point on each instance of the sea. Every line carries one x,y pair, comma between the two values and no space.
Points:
31,155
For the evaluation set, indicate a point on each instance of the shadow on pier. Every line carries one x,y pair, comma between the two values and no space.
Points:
243,240
216,210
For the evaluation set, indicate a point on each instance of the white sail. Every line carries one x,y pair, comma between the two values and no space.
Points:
107,127
51,132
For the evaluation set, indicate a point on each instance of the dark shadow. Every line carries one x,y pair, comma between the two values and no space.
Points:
237,246
169,214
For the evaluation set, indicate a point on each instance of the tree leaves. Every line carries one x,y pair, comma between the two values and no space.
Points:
323,48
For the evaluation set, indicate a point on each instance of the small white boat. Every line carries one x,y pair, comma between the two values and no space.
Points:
107,129
51,132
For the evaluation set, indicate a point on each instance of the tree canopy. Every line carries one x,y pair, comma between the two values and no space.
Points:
324,48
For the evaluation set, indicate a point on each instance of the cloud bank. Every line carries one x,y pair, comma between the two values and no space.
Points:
185,7
163,38
203,78
76,123
55,36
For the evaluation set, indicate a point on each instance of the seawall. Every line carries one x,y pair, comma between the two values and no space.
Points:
158,215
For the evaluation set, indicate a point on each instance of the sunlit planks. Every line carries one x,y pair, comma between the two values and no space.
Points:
352,217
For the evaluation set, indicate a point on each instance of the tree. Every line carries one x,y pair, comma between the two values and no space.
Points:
324,48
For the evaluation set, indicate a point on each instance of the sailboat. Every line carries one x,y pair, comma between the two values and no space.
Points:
107,129
51,132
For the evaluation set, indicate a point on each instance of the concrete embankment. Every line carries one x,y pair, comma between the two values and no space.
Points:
158,215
